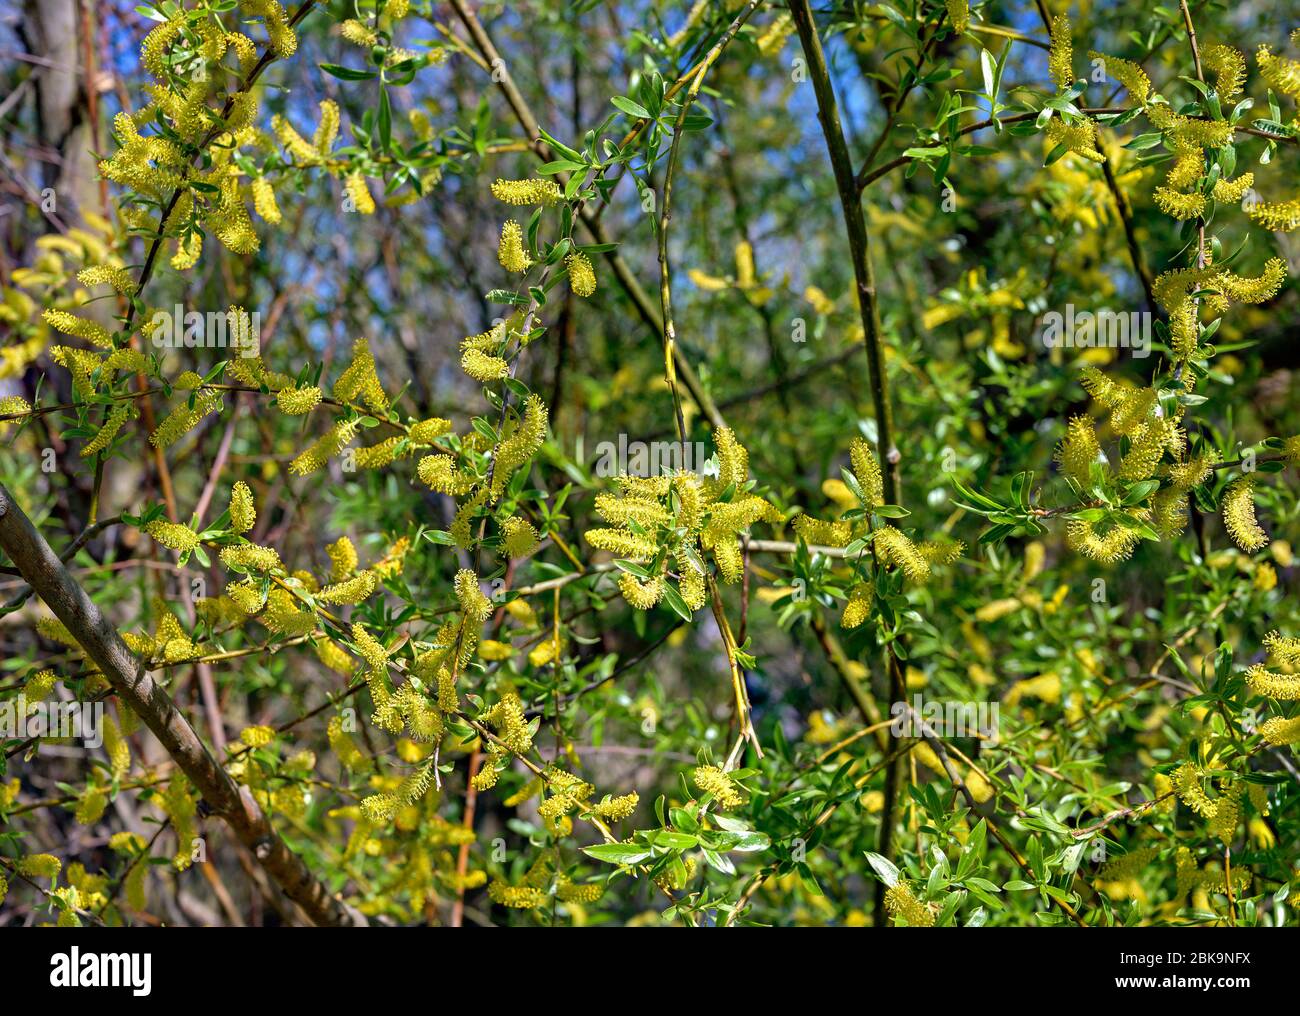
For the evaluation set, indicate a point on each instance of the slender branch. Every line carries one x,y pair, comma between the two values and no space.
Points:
859,246
1191,39
1130,237
865,179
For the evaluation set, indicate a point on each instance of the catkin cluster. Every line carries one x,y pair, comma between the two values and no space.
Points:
663,529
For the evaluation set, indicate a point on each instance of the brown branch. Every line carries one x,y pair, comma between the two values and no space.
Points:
46,574
1134,250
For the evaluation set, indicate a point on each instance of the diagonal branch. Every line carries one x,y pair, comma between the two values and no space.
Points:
532,127
48,576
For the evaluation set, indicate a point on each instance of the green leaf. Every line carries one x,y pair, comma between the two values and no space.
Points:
890,511
674,600
884,869
347,73
385,121
618,853
633,109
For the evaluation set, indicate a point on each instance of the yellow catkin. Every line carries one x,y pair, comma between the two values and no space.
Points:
1128,74
1178,205
640,594
516,897
284,43
518,537
108,275
116,748
243,513
1239,515
692,583
343,559
14,405
617,808
521,445
294,401
1263,681
901,903
294,143
439,472
1281,74
1146,447
359,197
526,192
1080,138
483,367
773,37
582,278
350,591
1278,216
342,744
1231,191
942,551
866,469
858,609
819,532
78,326
38,866
358,34
1129,865
1187,169
361,379
712,780
1060,60
1229,68
1257,289
104,436
173,535
958,15
1106,545
154,49
257,736
183,419
264,200
427,431
1183,134
39,685
327,127
1285,649
622,545
510,251
1279,731
91,807
895,548
249,557
231,223
1079,450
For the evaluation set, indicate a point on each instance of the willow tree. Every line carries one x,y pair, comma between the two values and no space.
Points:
993,628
